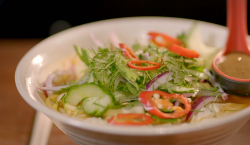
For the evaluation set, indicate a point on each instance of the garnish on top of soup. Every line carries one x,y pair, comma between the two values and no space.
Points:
164,82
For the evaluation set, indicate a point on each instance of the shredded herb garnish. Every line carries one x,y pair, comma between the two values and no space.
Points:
108,69
196,110
84,56
59,102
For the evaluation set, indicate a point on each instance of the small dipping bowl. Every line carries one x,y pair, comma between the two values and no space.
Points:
236,42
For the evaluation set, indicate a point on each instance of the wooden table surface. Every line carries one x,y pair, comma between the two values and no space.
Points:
17,117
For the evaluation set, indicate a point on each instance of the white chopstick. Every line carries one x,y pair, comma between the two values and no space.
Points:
41,130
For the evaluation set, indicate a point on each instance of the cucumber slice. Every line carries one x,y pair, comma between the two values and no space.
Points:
96,106
198,74
97,100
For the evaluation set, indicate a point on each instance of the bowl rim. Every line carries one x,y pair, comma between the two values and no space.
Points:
126,130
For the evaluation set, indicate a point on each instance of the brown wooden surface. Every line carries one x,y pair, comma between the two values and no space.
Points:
16,116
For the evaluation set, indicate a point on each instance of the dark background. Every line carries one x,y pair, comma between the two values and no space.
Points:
33,18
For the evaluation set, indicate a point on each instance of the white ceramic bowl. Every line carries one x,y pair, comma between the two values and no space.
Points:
41,59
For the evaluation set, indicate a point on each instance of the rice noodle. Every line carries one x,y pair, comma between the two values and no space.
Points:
70,107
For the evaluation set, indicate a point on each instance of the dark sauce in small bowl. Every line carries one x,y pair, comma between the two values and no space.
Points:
235,65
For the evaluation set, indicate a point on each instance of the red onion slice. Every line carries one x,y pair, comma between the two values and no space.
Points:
49,83
115,41
177,103
45,92
157,81
95,40
57,88
51,77
201,102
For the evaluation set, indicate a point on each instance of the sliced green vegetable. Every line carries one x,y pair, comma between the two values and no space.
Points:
95,106
158,120
96,99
